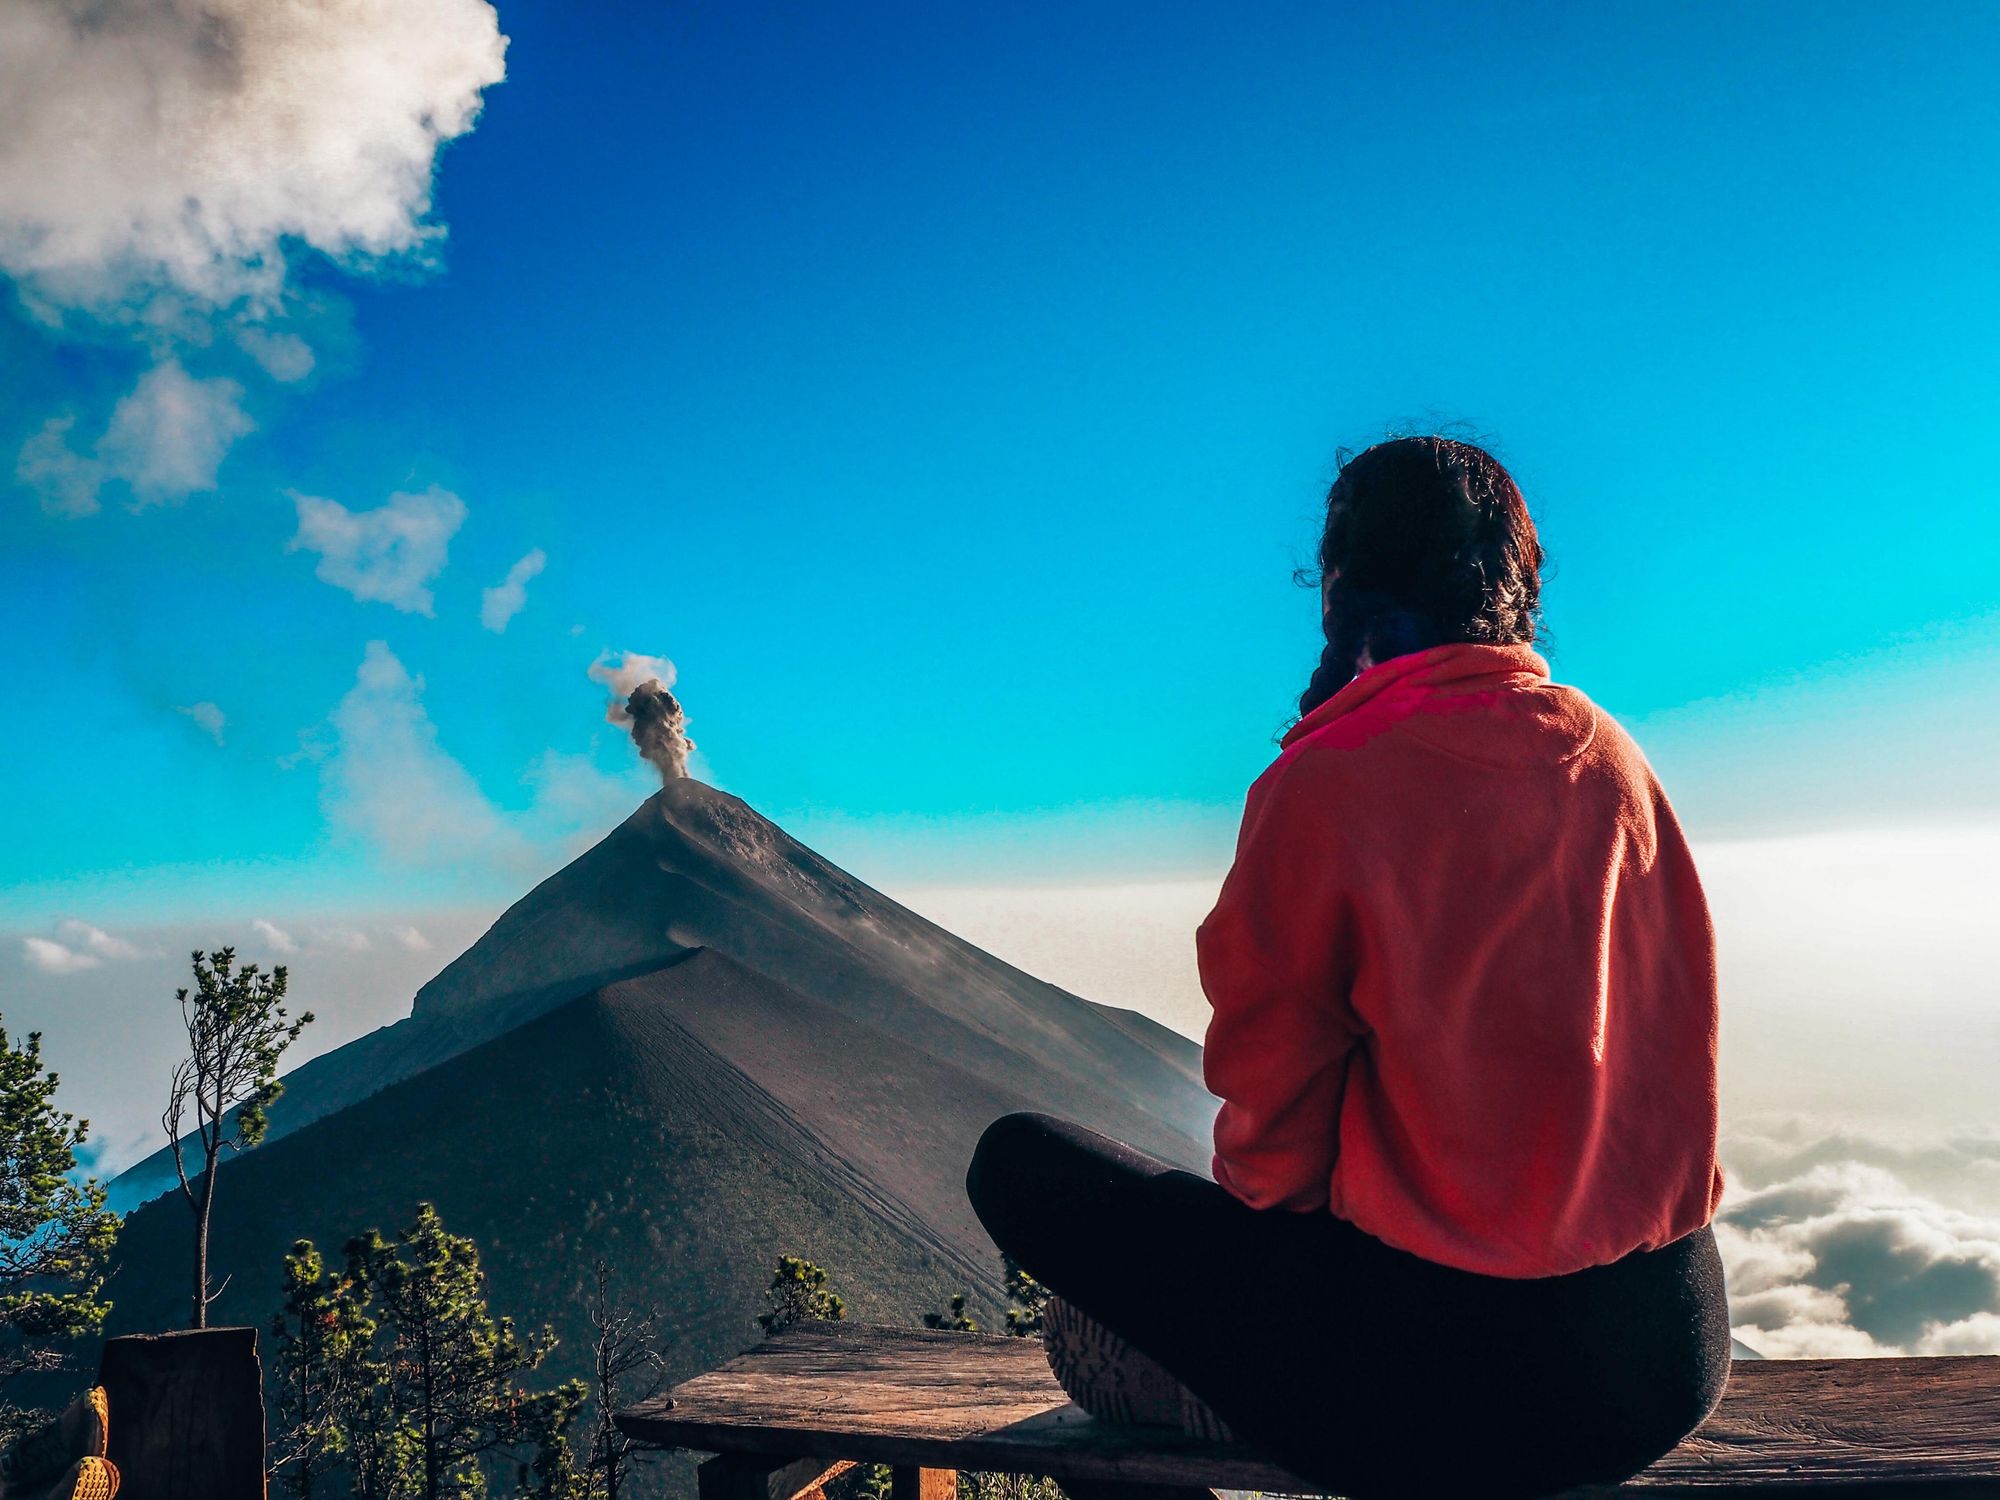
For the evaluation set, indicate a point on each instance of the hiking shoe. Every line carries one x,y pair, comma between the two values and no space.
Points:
1114,1382
89,1478
35,1459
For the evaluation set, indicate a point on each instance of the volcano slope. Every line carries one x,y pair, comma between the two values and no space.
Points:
617,1127
696,868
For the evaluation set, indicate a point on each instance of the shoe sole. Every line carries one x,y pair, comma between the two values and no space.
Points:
1114,1382
81,1431
88,1479
97,1436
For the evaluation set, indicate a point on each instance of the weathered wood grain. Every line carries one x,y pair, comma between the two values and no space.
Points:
923,1484
187,1414
911,1397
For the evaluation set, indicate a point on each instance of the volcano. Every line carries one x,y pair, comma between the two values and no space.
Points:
697,1047
695,868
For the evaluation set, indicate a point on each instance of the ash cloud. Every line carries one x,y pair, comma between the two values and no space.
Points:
644,704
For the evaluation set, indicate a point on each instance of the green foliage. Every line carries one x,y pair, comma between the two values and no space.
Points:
953,1319
55,1233
453,1395
237,1030
1008,1487
799,1294
1028,1296
323,1364
395,1371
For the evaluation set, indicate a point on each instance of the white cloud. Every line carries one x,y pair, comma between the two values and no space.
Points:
411,938
509,596
390,782
388,555
54,958
169,436
166,439
274,937
76,947
209,719
66,481
162,164
95,940
181,150
283,356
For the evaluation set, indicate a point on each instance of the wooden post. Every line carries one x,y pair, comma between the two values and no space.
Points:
187,1414
923,1484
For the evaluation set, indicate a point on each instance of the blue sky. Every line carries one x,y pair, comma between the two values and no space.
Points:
949,392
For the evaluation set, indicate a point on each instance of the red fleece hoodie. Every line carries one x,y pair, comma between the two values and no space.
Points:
1463,976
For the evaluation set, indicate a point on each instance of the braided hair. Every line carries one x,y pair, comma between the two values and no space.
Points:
1428,541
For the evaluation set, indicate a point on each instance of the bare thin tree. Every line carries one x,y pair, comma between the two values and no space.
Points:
237,1030
628,1368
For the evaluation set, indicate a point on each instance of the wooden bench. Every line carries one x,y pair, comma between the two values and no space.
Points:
791,1413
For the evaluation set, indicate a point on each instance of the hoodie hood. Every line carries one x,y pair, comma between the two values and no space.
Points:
1494,705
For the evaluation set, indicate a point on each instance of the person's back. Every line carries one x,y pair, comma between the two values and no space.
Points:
1463,975
1464,1037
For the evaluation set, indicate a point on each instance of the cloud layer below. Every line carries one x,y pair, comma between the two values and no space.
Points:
1861,1021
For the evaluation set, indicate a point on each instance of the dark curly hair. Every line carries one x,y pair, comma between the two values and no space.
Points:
1427,541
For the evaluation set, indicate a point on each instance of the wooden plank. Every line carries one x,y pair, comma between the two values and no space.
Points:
187,1414
974,1401
928,1400
906,1483
731,1476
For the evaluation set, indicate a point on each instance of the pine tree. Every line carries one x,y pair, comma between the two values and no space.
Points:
236,1030
323,1360
799,1294
55,1233
452,1390
953,1319
1029,1296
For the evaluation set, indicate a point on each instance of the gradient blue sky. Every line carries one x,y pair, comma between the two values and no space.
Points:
950,390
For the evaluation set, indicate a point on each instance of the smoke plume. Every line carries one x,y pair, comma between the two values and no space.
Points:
642,703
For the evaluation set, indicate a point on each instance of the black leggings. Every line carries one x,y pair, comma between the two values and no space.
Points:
1360,1367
